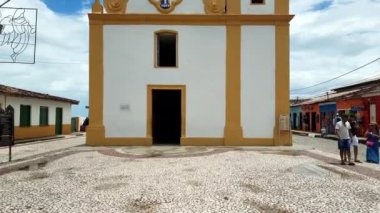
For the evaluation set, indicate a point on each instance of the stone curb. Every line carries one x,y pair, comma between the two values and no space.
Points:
34,161
318,135
41,140
38,159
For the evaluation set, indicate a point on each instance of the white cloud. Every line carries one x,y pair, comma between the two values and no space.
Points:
327,43
62,56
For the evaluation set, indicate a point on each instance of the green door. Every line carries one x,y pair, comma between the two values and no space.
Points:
58,121
74,125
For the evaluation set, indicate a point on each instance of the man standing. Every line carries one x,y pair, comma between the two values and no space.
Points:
342,129
354,138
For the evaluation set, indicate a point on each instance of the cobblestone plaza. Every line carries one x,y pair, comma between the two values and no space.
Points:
189,179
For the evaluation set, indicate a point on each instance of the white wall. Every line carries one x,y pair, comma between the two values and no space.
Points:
185,7
258,81
35,109
267,8
129,68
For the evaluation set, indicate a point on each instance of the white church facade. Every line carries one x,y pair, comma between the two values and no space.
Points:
189,72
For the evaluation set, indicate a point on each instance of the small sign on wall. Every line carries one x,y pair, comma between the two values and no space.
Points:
284,123
125,107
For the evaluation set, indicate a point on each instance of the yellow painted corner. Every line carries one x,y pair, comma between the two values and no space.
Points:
66,129
282,82
282,7
31,132
202,141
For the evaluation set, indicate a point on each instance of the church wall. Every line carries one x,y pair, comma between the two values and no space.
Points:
185,7
129,68
258,73
197,7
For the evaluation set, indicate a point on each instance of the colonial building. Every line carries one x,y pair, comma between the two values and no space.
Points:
189,72
360,100
37,115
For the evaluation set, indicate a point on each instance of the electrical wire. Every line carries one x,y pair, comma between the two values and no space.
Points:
325,90
345,84
332,79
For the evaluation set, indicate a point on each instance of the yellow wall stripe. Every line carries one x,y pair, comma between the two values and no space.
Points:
95,130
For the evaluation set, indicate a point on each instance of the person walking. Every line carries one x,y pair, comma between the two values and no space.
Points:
354,138
372,135
342,130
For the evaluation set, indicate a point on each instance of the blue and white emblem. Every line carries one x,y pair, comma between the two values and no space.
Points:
165,4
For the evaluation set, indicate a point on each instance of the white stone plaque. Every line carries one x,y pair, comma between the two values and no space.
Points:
284,123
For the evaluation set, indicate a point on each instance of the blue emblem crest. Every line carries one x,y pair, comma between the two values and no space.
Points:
165,4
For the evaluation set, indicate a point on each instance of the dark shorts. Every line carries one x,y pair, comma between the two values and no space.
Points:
344,144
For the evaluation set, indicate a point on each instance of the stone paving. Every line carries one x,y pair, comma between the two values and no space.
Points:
190,179
24,151
328,147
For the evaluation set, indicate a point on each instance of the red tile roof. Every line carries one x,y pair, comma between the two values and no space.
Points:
12,91
359,84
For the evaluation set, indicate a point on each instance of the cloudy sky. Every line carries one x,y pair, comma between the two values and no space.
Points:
328,38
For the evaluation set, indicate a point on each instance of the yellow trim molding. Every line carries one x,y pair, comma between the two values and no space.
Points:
157,5
185,19
147,141
37,131
282,82
234,7
34,132
233,132
66,129
156,45
150,89
282,7
256,142
282,73
202,141
95,130
96,136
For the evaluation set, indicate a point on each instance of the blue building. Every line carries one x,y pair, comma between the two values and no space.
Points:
328,112
296,116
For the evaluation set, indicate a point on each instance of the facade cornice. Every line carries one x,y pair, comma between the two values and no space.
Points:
182,19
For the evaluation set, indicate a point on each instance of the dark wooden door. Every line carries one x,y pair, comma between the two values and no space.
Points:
166,116
58,121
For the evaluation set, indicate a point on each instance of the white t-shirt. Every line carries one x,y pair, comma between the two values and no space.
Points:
343,130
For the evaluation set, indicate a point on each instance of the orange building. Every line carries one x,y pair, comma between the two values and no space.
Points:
311,118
